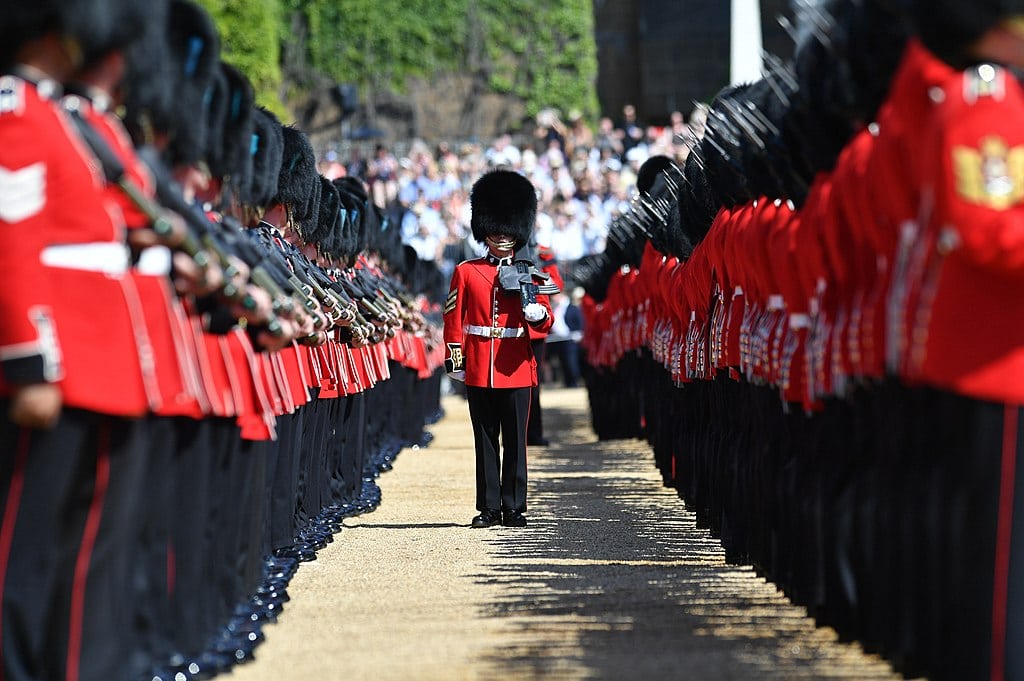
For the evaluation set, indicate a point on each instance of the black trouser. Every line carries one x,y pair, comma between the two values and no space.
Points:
153,613
68,532
500,483
567,352
989,564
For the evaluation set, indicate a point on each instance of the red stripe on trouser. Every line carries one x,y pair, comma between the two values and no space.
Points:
92,526
1004,537
10,518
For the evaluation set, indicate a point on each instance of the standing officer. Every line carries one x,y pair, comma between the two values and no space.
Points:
488,344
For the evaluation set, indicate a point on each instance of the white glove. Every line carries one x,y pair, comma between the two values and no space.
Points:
534,312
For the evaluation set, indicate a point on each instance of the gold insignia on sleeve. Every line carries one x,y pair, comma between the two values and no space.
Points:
449,303
991,175
457,359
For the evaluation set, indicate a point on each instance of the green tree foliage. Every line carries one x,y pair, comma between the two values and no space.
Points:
251,40
542,51
383,41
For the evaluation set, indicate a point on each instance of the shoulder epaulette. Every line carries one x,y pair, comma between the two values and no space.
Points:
984,80
12,95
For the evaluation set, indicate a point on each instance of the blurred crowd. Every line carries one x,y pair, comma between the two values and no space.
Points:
584,175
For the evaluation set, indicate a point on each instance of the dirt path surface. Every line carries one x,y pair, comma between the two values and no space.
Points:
611,580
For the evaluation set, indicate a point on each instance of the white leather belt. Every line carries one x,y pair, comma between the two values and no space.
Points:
103,256
494,331
775,302
154,261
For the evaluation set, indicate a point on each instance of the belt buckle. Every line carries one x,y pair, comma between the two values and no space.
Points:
497,332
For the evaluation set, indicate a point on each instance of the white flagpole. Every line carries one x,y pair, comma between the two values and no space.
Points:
746,43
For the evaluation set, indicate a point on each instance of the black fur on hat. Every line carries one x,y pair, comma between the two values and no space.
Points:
721,153
266,157
216,110
233,159
145,88
649,172
353,188
356,204
333,243
194,48
503,202
664,193
328,215
846,54
696,209
297,178
949,27
307,221
100,27
594,272
760,168
22,21
377,222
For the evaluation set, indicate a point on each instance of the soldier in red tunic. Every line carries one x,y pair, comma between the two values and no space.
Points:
538,341
486,331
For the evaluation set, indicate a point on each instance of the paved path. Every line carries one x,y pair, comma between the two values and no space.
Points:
611,580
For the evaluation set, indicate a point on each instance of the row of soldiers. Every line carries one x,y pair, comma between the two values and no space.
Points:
816,322
207,349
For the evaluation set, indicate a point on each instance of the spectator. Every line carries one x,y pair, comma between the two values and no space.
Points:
606,142
566,332
356,166
578,136
431,184
330,168
567,237
629,130
550,131
426,243
382,176
422,215
503,153
562,180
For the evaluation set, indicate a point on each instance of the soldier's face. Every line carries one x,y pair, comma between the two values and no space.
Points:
501,245
1003,43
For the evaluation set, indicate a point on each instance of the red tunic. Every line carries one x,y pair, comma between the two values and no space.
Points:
968,324
476,305
65,312
546,263
170,375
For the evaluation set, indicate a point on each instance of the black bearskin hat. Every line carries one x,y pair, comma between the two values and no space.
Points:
96,27
297,183
266,157
649,172
949,27
503,202
102,26
329,214
232,159
194,54
146,86
355,203
307,220
22,21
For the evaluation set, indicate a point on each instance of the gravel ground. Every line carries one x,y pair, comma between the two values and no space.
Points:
611,580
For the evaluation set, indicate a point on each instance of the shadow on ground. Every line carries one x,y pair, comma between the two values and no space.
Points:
613,580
